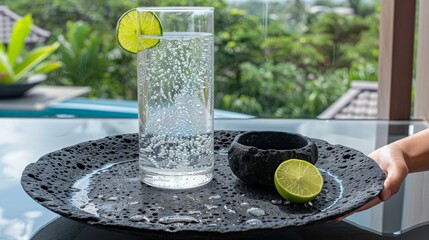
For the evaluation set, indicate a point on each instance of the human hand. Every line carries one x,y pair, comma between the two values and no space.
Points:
391,160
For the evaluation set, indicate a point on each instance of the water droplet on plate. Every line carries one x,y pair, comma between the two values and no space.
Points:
257,212
139,218
215,197
194,212
276,201
209,207
254,222
228,209
178,219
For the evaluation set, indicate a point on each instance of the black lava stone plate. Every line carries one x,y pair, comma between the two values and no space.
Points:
96,182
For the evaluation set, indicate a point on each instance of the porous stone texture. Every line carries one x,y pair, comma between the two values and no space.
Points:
96,182
254,156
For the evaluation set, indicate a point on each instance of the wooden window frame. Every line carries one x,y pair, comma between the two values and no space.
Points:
421,98
397,28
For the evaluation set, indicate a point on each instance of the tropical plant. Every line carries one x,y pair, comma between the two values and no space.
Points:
82,54
16,64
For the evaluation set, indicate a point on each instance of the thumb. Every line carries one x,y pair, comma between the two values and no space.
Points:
395,176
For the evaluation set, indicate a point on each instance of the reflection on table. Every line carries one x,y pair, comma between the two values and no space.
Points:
65,229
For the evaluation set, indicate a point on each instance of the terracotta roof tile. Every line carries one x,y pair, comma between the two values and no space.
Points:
359,102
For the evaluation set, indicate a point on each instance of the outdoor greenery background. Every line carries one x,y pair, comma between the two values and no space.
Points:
272,58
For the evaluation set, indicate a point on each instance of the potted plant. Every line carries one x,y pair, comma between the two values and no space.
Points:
20,68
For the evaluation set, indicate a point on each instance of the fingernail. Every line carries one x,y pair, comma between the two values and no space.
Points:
386,194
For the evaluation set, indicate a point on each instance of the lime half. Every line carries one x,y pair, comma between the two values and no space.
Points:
127,30
298,181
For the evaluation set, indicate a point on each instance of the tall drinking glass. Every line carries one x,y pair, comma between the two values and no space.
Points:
175,94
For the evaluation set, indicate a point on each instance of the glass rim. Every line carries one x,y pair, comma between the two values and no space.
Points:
176,9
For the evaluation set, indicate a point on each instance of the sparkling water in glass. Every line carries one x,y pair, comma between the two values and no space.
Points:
175,93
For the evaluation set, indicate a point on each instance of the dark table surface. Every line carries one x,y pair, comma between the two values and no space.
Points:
23,141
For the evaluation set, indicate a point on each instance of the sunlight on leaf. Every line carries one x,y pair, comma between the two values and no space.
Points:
6,70
20,32
46,67
33,58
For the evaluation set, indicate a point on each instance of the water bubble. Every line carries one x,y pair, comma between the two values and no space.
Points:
257,212
134,203
112,199
139,218
244,204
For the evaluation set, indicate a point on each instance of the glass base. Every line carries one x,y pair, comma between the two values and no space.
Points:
176,181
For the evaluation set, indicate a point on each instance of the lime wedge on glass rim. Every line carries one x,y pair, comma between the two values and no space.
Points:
127,30
298,181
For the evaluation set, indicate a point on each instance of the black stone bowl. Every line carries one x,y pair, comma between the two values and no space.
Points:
254,156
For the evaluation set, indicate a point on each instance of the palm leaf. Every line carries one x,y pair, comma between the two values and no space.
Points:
6,70
20,31
78,31
33,59
48,66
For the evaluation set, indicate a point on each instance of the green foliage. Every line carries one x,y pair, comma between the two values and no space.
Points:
90,61
300,50
82,54
272,58
306,70
283,90
362,9
15,65
54,14
238,41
